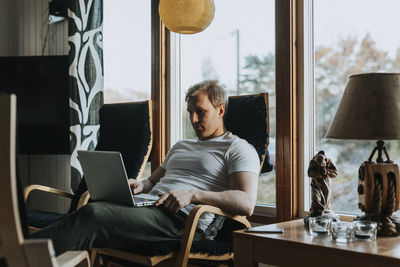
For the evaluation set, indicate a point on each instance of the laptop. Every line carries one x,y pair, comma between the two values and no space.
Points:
106,179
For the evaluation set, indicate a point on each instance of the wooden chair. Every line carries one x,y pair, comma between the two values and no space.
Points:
124,127
248,118
14,247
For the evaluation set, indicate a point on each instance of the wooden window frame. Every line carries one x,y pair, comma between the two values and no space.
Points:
160,85
287,202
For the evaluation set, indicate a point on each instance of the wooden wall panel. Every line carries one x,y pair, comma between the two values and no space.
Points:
7,27
23,27
50,170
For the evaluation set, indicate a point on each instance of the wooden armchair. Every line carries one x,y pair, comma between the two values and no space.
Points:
15,249
247,117
40,219
124,127
186,251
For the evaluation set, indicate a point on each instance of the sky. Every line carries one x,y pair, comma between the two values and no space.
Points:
127,40
255,22
338,19
127,45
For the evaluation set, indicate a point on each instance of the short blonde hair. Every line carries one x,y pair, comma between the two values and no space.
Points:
215,92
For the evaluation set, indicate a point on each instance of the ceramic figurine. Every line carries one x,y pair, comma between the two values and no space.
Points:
320,169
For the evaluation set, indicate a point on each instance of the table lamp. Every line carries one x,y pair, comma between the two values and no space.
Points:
370,110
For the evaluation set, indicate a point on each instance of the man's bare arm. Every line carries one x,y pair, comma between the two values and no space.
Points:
241,199
146,185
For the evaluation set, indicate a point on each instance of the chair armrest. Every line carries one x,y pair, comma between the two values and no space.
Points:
40,252
32,187
74,258
83,200
191,224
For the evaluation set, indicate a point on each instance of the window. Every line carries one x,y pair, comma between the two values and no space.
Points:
238,49
127,50
349,37
127,53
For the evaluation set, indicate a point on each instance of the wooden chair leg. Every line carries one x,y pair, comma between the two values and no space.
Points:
95,258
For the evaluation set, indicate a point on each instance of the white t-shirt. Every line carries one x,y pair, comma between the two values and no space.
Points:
205,165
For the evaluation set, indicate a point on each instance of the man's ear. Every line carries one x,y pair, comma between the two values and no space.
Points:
221,110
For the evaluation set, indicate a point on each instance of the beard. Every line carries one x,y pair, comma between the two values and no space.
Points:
199,130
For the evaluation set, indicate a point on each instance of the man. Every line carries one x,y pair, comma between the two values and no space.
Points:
217,168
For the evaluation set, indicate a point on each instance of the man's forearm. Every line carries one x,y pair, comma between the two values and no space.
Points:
147,185
154,178
240,199
234,201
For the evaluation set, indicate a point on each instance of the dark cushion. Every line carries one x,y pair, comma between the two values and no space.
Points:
125,127
164,247
82,188
40,219
246,118
222,244
267,165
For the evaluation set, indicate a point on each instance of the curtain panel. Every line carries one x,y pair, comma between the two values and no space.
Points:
86,76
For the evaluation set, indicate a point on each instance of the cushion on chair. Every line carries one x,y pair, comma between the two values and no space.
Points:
164,247
40,219
223,243
267,165
133,139
124,127
82,188
246,118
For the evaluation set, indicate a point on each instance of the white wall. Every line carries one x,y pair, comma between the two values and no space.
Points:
23,30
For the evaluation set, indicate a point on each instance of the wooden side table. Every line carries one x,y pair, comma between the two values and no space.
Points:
295,247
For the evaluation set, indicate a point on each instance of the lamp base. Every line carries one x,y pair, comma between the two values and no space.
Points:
378,186
387,226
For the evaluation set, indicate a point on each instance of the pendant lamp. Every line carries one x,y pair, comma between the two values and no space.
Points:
186,16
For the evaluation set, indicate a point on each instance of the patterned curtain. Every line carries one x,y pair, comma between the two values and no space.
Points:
86,75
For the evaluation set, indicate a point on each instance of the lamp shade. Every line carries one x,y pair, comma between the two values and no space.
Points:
369,109
186,16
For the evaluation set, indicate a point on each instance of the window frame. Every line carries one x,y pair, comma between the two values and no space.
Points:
287,151
160,86
306,99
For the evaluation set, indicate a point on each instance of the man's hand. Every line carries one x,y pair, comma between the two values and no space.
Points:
136,186
175,200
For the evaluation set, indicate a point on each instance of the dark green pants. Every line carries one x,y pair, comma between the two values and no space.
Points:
108,225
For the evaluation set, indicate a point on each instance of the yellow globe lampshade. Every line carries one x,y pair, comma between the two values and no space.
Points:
186,16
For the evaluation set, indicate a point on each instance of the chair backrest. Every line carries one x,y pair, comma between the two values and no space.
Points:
248,117
15,250
11,233
127,128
